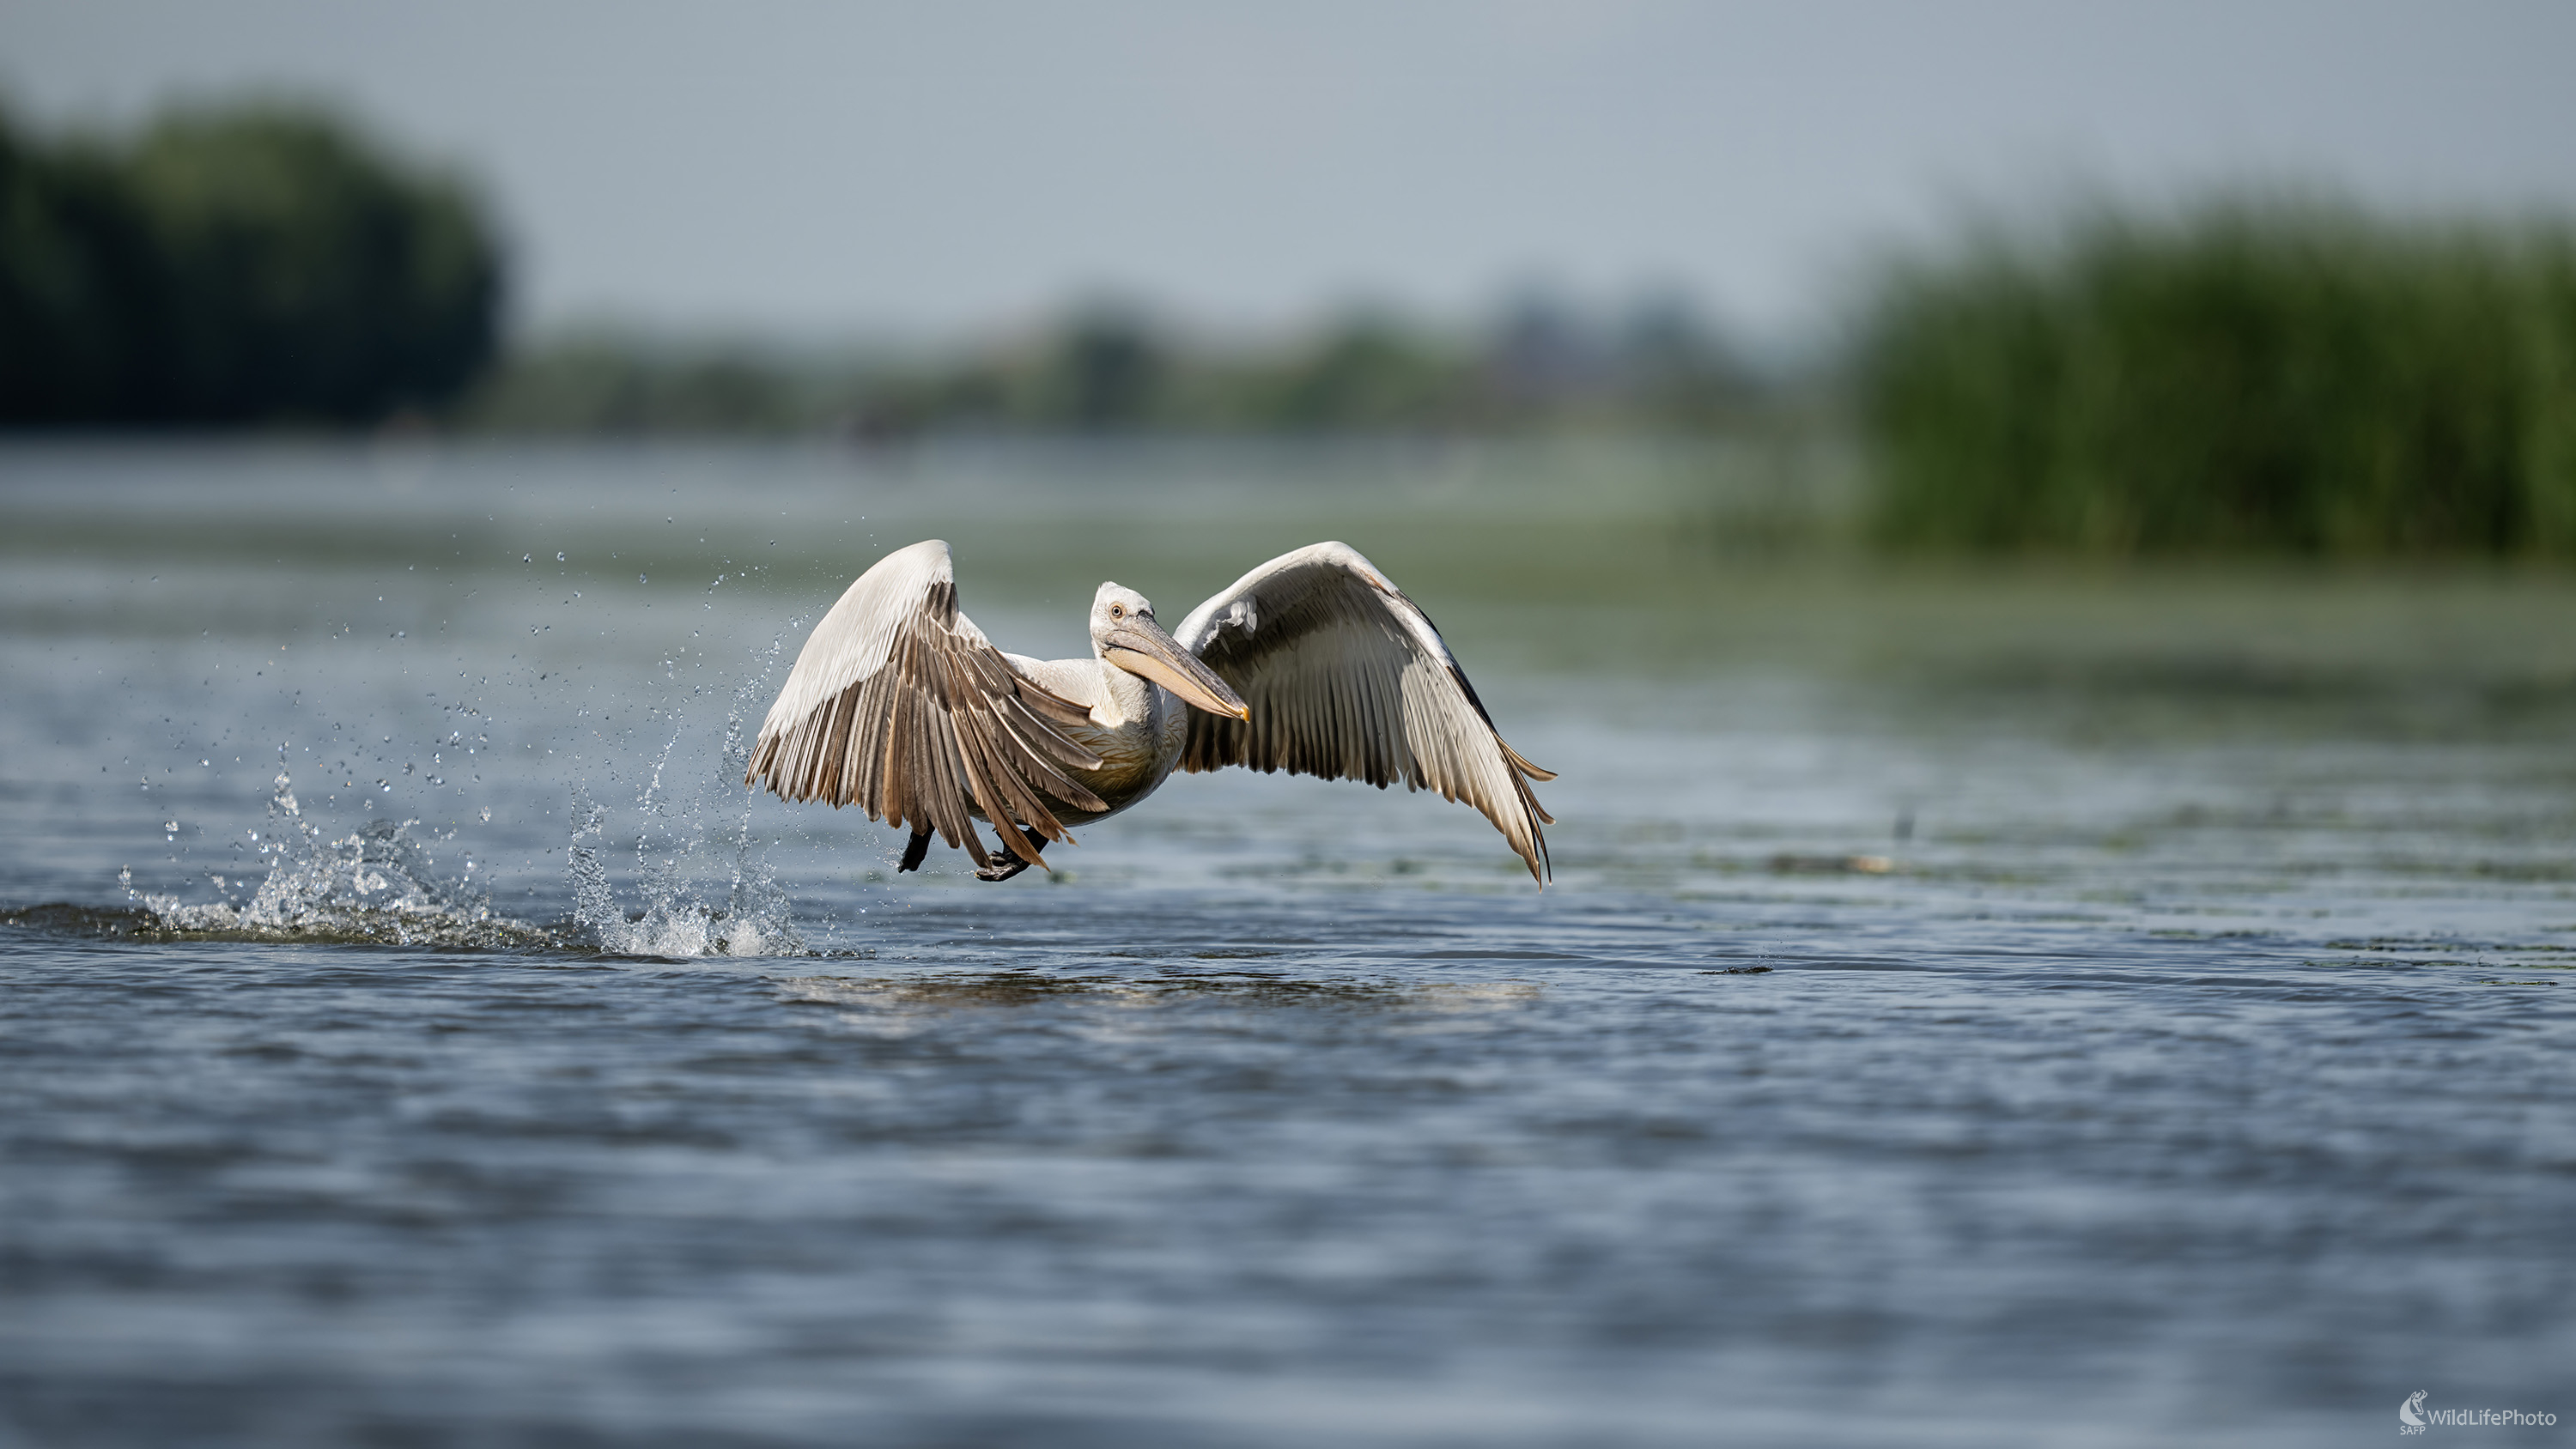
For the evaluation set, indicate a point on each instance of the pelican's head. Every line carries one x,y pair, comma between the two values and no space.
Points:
1123,633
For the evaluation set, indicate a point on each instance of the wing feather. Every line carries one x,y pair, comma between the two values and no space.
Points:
1347,679
898,704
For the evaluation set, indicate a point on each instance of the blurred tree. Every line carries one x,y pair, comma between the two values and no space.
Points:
1366,373
79,284
236,265
1678,368
1106,372
1542,353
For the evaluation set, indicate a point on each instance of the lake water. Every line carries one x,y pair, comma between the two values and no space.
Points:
1974,1005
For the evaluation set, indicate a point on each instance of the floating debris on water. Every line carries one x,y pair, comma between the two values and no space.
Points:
1786,864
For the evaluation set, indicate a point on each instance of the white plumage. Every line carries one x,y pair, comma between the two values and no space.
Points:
1314,663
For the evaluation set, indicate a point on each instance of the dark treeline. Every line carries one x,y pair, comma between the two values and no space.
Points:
2269,376
1116,369
245,264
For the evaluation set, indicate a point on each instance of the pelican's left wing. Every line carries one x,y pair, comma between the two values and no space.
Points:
901,706
1347,679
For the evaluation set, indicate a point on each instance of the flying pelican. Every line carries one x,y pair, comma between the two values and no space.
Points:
1312,663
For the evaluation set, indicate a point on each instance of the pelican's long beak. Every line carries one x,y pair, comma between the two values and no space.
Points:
1139,646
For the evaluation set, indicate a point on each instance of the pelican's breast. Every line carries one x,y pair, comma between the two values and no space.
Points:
1132,761
1137,751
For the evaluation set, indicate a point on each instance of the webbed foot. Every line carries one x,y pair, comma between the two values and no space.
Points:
1007,865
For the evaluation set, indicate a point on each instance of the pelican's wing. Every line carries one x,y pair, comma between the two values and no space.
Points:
901,706
1347,679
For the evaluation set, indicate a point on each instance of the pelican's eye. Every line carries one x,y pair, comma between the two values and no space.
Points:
1118,611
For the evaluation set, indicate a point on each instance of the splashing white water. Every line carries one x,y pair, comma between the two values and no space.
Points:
673,914
698,885
670,918
377,884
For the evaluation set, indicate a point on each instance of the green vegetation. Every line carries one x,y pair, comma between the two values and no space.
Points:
611,384
261,263
2279,377
2243,376
1116,369
247,264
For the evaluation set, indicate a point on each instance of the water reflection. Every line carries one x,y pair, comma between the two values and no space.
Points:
1025,988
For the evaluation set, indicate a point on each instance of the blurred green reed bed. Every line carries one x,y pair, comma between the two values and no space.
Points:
2249,375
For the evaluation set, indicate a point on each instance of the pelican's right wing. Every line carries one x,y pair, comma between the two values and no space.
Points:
901,706
1347,679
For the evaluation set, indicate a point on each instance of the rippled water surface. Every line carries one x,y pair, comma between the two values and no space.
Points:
1973,1005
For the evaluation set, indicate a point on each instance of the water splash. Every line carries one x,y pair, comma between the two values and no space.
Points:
699,884
376,885
674,914
671,918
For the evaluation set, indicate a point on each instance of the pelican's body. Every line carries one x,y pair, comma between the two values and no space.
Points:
1136,727
1313,663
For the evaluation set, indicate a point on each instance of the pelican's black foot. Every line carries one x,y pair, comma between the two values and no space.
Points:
1007,865
913,852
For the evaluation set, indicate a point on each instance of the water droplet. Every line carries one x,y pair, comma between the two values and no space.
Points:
559,558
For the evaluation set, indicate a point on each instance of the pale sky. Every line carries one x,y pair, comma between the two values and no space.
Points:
822,168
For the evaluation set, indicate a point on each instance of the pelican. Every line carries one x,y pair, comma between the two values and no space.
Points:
1313,663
